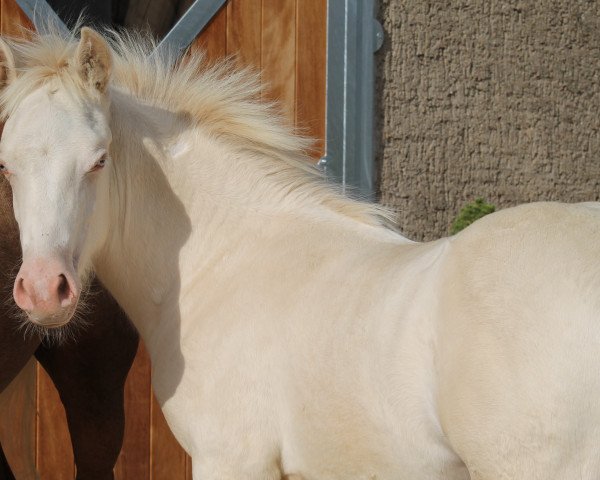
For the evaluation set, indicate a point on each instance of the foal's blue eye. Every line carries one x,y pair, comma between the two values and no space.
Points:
99,164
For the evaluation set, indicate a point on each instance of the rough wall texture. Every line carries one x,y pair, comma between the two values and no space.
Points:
499,99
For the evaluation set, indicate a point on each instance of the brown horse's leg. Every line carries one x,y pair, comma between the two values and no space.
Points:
16,347
5,471
89,374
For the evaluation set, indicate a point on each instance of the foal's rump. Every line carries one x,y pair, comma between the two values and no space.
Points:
520,344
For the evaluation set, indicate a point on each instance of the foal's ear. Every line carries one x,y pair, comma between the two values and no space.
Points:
93,59
7,65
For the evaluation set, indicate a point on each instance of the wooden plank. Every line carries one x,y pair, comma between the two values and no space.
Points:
212,41
311,67
12,19
54,456
134,461
17,429
168,459
278,37
243,31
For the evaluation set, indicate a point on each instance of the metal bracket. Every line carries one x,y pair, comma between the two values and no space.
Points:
40,10
179,37
190,25
378,35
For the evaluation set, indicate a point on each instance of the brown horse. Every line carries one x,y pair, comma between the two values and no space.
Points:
89,372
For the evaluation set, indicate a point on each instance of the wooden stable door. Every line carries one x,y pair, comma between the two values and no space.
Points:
286,40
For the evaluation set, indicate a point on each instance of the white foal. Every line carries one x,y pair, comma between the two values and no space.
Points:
291,333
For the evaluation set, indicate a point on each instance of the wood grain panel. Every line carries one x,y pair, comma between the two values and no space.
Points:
311,69
243,31
12,19
278,47
212,41
17,428
54,457
134,460
168,459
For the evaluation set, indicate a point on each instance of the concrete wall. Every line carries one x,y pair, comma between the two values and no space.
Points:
499,99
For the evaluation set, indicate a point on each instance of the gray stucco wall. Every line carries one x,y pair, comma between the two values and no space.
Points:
486,98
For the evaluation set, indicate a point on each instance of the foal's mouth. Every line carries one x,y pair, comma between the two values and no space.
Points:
57,320
56,329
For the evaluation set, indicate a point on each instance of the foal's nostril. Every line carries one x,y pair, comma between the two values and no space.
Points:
64,290
22,296
21,285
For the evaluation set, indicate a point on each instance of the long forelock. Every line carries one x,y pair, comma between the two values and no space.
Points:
222,97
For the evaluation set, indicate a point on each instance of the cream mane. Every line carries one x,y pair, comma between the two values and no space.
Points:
222,98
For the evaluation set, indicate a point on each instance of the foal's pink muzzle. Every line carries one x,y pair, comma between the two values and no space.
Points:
47,290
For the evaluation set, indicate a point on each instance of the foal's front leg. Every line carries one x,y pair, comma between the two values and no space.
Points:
226,462
226,471
236,454
90,375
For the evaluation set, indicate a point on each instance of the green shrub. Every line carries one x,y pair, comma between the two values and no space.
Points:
469,213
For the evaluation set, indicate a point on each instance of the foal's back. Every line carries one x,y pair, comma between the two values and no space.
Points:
520,344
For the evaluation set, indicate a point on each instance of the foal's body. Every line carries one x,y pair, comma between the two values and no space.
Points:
290,332
89,371
290,337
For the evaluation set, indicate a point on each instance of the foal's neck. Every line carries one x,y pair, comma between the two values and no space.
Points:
182,200
176,203
149,225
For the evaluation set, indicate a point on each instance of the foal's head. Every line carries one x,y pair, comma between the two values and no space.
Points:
55,153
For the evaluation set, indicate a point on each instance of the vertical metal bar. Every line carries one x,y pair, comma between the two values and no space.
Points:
352,33
333,162
363,169
42,16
